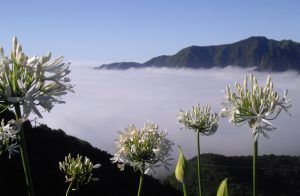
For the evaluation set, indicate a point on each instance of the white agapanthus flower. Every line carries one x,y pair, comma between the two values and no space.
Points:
199,119
8,137
143,149
254,105
32,82
78,171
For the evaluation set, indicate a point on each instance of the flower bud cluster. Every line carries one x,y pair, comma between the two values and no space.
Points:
32,82
254,105
77,170
199,119
8,137
143,148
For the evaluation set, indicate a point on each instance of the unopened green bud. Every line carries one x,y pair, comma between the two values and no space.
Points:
181,167
223,190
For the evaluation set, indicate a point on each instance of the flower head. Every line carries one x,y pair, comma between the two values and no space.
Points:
77,170
31,82
8,137
143,148
199,119
254,105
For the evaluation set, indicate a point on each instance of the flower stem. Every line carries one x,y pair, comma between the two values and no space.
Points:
24,155
69,188
184,189
198,156
254,169
141,180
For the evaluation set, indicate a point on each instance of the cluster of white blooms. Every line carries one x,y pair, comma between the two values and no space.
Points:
8,137
77,170
143,149
32,82
199,119
254,105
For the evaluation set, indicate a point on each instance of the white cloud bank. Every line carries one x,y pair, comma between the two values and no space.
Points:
107,101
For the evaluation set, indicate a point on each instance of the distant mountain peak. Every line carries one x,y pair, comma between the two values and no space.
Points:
256,51
258,38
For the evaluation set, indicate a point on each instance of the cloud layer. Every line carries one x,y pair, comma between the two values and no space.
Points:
105,102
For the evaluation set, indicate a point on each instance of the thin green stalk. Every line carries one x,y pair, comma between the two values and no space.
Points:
24,155
141,180
254,168
198,156
184,189
69,188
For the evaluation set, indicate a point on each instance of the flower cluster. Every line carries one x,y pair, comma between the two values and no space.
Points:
199,119
78,171
32,82
254,105
8,137
143,149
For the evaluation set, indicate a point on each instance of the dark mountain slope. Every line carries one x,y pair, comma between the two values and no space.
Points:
277,175
47,147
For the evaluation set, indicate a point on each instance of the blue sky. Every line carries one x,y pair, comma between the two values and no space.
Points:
132,30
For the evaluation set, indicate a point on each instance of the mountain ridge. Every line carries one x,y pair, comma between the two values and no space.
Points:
257,51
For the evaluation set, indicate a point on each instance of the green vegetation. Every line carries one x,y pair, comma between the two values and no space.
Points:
278,175
260,52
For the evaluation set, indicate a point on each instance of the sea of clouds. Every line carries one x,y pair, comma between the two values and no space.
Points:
106,101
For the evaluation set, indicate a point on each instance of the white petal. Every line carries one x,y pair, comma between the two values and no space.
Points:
267,122
97,166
